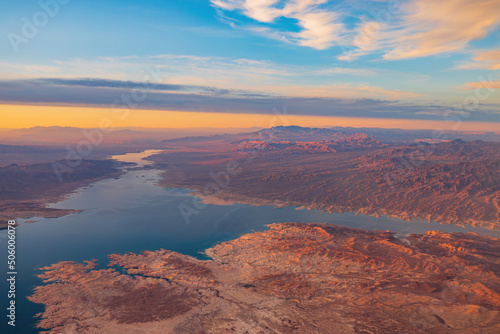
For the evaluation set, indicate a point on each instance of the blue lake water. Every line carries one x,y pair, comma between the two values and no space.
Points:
132,214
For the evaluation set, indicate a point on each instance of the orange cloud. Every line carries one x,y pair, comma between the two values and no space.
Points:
484,60
484,84
432,27
421,28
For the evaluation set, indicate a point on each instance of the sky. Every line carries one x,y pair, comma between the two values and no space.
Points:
239,63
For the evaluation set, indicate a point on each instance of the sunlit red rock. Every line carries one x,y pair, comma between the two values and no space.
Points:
292,278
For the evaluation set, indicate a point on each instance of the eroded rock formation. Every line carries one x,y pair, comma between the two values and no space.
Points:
292,278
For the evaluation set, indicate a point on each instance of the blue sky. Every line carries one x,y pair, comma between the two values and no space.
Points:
411,59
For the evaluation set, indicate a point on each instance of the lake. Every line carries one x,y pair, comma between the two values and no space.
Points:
132,214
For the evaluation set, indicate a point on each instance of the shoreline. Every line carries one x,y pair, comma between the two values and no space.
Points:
225,196
37,207
301,270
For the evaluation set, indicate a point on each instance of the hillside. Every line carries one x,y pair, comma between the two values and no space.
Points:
26,189
293,278
454,182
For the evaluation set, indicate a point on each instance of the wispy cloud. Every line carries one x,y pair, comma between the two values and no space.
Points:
106,83
214,75
320,26
344,90
487,85
86,93
488,59
99,93
429,27
9,70
414,28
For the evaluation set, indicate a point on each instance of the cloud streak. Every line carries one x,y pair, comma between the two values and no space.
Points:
106,83
489,59
86,92
320,27
396,29
430,27
487,85
213,75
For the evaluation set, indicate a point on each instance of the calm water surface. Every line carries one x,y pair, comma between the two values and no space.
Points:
132,214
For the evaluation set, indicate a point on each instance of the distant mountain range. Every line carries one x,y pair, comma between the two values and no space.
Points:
449,181
298,133
61,136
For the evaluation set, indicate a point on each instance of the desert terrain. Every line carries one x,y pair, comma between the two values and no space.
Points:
25,190
447,181
292,278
